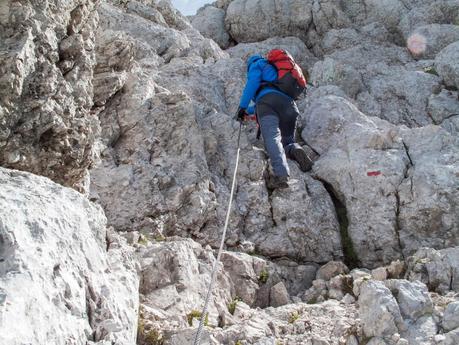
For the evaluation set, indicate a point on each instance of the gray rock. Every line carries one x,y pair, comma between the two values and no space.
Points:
443,106
403,95
241,269
146,11
332,72
439,270
428,12
279,295
447,66
432,183
376,341
378,310
412,297
210,22
47,58
62,272
427,41
293,45
332,131
252,21
451,317
175,278
451,338
331,269
422,331
379,273
292,323
396,164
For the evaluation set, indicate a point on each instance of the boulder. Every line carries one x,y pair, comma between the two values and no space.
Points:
378,310
64,276
331,269
279,295
446,64
412,297
210,22
244,271
252,21
451,317
175,278
422,331
438,269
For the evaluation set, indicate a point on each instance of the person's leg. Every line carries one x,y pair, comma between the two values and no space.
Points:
287,123
287,127
269,125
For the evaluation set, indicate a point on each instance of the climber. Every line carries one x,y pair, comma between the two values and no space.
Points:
276,110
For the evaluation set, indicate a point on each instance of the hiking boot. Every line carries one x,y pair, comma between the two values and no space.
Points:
277,182
301,157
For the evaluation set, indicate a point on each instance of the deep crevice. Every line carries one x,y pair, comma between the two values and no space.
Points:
397,226
350,256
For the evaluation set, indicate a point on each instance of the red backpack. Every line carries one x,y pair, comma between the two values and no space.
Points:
290,78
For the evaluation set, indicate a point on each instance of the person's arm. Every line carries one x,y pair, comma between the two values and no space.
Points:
253,83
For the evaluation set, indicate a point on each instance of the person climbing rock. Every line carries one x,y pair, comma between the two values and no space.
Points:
273,84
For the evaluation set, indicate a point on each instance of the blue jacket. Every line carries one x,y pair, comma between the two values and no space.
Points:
258,70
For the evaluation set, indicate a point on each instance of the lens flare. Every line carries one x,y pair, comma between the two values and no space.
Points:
416,44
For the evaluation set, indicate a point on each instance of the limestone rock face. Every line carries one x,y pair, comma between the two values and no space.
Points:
438,269
63,277
210,22
293,45
360,154
167,169
251,21
447,66
47,60
432,39
145,99
175,277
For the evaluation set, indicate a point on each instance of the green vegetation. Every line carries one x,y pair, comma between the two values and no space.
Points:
431,70
148,337
196,314
238,342
143,239
232,305
293,317
160,238
264,276
153,337
312,301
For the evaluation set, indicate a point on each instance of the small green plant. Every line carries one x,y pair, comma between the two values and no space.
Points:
153,337
431,70
143,240
264,276
148,337
312,301
160,238
232,305
196,314
293,317
238,342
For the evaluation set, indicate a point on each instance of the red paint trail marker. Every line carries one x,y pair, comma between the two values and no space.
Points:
374,173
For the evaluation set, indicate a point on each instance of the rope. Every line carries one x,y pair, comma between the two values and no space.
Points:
197,339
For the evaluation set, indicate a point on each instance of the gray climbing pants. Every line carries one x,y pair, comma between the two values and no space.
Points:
277,116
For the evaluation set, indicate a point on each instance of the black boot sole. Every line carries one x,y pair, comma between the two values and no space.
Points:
301,157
